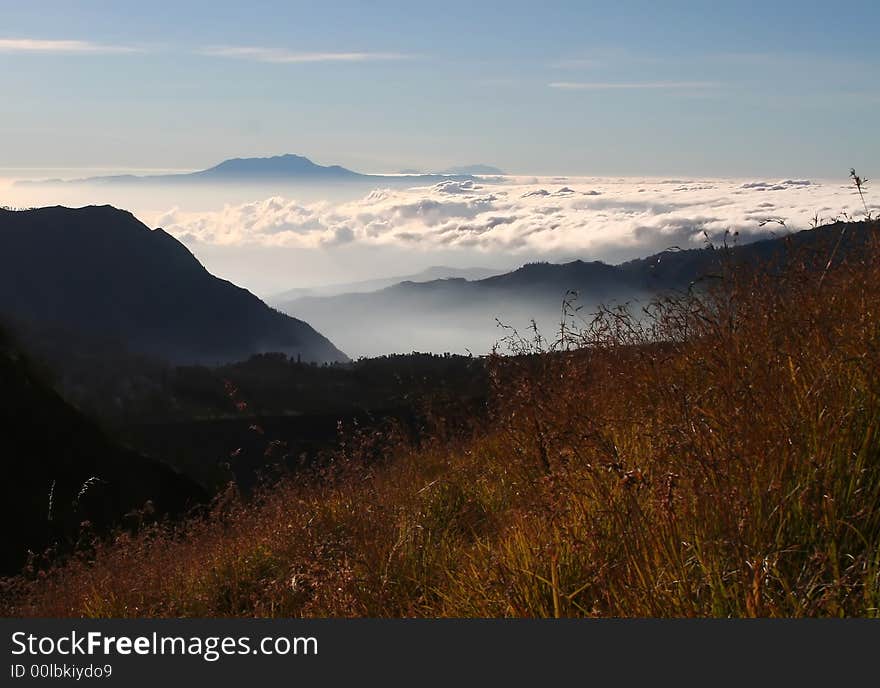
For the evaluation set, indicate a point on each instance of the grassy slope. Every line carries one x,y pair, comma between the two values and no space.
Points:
733,470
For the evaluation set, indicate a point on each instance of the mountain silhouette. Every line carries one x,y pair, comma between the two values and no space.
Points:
460,315
60,470
99,271
287,168
435,272
288,165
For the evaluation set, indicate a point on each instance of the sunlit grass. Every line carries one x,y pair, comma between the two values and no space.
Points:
718,455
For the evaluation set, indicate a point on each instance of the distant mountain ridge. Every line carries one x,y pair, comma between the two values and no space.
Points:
457,315
278,168
287,165
101,272
436,272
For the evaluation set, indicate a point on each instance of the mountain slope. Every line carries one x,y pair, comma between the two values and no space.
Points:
287,165
677,269
436,272
459,315
49,448
100,272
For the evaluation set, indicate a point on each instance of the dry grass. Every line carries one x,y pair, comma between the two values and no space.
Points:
717,456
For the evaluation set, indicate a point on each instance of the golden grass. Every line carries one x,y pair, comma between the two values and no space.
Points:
718,458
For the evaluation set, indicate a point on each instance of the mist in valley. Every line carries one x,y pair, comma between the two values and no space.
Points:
402,263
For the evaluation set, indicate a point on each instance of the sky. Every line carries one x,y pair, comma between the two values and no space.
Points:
665,122
580,88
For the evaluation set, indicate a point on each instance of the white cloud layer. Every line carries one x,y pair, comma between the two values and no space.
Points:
594,218
65,47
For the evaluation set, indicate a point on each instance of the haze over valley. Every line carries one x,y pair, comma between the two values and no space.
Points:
295,233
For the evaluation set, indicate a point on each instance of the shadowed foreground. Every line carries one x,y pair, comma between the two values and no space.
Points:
716,456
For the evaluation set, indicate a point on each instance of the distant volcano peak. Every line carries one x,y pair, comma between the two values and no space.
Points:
285,165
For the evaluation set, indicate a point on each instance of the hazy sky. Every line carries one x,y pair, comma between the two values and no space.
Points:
734,88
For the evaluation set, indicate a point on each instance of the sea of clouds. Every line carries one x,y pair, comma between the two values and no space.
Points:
596,218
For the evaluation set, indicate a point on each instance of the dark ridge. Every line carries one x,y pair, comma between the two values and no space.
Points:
60,470
98,271
677,269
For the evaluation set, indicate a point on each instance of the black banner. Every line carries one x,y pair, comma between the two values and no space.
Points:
407,652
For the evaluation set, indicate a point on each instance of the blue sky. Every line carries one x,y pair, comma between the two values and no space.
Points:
624,88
